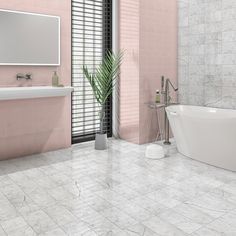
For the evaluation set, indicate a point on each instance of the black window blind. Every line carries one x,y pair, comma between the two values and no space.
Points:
91,38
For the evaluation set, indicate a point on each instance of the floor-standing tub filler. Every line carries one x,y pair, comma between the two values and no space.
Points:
205,134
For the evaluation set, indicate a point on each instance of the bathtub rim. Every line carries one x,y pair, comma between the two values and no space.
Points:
203,111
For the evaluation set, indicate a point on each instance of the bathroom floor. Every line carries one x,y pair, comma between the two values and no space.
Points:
80,191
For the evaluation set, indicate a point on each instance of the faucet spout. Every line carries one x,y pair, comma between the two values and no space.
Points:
169,82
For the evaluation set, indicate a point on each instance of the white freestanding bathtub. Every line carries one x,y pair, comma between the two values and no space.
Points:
205,134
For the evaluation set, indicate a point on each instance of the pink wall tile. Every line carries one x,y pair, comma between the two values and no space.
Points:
129,83
155,45
37,125
158,56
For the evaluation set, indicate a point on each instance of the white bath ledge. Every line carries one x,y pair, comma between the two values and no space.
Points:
15,93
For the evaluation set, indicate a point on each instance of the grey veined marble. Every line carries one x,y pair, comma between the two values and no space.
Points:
81,191
207,52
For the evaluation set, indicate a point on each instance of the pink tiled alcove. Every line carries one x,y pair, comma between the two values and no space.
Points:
148,35
37,125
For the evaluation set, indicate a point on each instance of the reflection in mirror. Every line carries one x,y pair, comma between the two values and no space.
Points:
29,39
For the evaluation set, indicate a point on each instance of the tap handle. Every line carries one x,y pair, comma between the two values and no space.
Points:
162,83
28,76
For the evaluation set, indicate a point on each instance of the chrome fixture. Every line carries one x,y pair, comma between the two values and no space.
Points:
165,90
27,76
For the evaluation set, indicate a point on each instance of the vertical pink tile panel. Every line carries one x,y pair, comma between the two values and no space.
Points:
149,38
158,56
129,83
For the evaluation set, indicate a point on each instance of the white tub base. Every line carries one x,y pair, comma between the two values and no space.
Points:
205,134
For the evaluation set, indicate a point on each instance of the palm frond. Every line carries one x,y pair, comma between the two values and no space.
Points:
103,80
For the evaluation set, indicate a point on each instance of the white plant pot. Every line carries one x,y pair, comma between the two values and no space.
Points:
101,142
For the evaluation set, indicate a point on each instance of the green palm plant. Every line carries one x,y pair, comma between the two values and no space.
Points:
103,80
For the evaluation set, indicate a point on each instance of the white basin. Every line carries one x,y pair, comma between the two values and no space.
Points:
14,93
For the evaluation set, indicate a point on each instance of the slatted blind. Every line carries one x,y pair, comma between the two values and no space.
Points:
91,38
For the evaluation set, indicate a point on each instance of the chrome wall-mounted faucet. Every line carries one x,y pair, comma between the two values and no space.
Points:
27,76
165,90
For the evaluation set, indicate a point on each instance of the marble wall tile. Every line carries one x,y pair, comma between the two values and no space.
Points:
207,53
197,50
184,75
229,36
183,17
228,59
213,5
228,4
196,40
229,47
215,59
229,75
197,29
196,59
196,19
196,100
214,16
213,48
183,51
213,37
228,14
182,4
228,25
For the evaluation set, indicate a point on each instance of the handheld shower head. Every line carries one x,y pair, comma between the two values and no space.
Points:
162,83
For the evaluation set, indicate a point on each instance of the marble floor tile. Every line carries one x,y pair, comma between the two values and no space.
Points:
78,228
25,205
40,221
153,207
112,197
116,192
119,217
97,203
139,230
41,197
60,215
135,211
223,194
229,219
59,194
179,221
17,226
13,193
2,233
5,180
168,196
212,205
162,227
101,225
7,211
194,214
54,232
125,191
217,228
